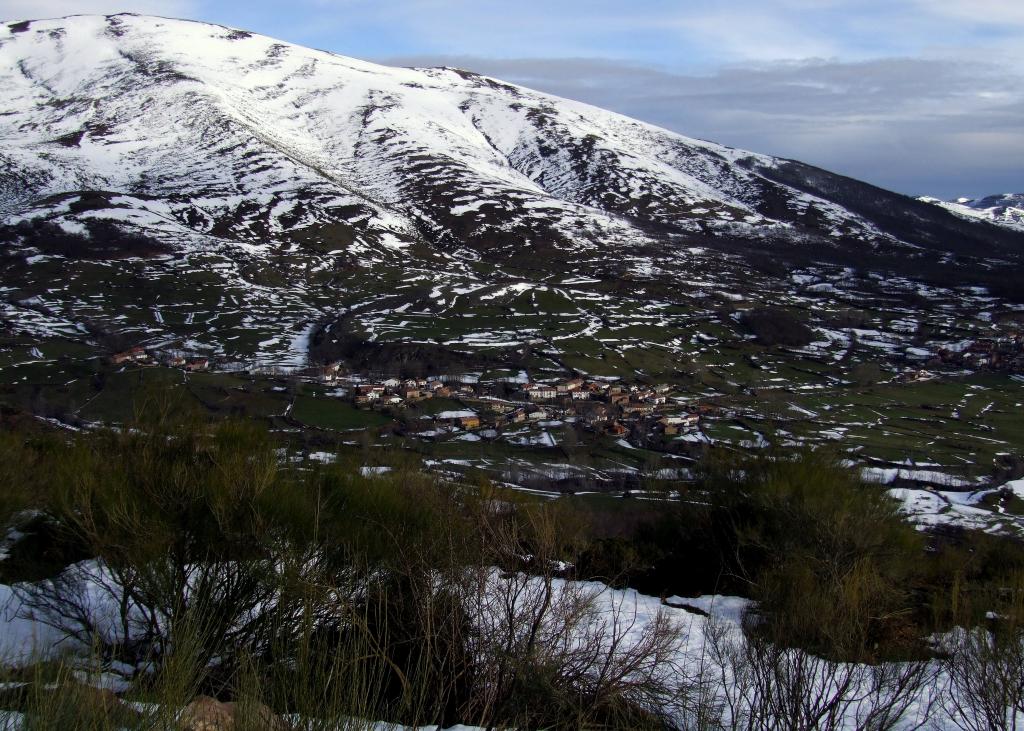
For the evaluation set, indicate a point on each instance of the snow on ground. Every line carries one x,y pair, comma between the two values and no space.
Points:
621,616
23,639
888,475
978,509
1016,487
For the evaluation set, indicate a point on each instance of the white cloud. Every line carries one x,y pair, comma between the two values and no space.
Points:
691,34
754,34
994,12
38,9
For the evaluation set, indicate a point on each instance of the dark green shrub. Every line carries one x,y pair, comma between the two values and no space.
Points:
776,326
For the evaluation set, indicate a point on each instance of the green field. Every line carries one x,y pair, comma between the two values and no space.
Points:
329,413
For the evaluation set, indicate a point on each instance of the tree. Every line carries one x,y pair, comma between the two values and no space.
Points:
866,374
776,326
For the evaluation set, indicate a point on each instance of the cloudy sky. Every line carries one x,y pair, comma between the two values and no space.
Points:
919,96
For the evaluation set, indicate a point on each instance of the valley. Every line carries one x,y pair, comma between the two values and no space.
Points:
333,391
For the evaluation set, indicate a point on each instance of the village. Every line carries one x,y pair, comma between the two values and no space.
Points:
140,356
1004,354
472,408
484,407
615,409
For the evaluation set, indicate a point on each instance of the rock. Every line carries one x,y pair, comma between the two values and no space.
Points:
208,714
255,715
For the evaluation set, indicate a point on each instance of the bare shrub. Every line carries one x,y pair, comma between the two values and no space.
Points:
329,595
985,685
766,687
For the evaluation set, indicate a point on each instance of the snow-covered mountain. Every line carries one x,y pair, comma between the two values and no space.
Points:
1006,209
235,190
197,129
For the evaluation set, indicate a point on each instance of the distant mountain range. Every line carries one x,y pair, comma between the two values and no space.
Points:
1005,209
179,180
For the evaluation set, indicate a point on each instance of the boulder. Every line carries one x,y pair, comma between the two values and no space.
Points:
208,714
